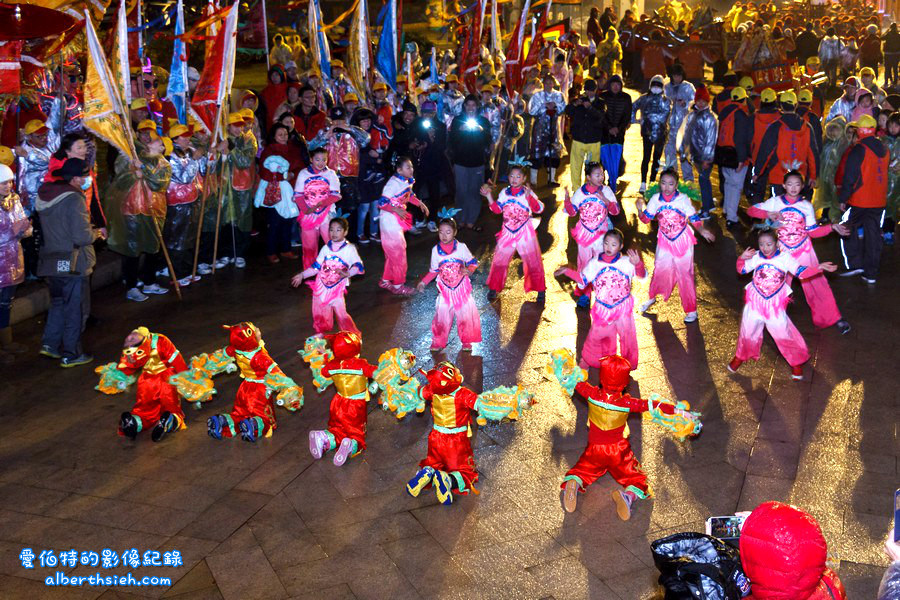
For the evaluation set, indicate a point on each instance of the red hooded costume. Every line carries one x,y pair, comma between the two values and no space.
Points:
348,413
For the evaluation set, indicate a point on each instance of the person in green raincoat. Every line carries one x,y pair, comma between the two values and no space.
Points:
825,197
135,199
237,186
891,141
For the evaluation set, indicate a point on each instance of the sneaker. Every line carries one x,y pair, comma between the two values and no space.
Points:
240,263
273,259
167,422
128,425
843,326
541,297
223,262
734,365
363,240
375,238
643,188
415,230
432,227
155,288
851,273
82,359
49,352
185,281
290,255
214,426
249,429
403,290
195,278
691,317
420,224
204,269
703,215
443,487
889,238
135,295
732,224
797,373
318,444
583,301
869,280
164,272
646,305
343,452
570,496
385,284
420,481
466,348
623,502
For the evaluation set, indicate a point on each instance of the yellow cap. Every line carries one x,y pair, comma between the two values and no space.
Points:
179,130
738,93
401,78
236,118
767,95
138,103
747,82
864,122
487,88
867,71
247,113
351,97
804,96
34,126
496,83
788,97
6,156
168,146
337,63
379,86
147,124
452,78
813,61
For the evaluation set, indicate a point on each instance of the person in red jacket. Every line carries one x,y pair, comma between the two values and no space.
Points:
783,553
864,190
157,404
766,114
278,230
732,151
308,119
787,145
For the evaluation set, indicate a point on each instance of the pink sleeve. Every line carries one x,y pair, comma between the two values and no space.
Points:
429,277
569,207
495,208
536,206
644,217
573,275
820,231
640,270
740,266
757,213
612,207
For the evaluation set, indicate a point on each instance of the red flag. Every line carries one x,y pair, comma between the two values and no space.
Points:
252,35
470,55
537,44
514,52
210,97
10,65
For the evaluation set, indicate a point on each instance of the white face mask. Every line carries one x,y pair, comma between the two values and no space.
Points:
87,183
656,89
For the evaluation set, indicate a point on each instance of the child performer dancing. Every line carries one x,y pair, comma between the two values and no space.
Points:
316,192
516,203
451,265
766,300
674,262
796,220
593,202
612,315
337,262
395,220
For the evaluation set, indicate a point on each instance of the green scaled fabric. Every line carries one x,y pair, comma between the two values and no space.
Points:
196,384
681,425
396,380
565,369
501,403
316,354
290,395
690,190
112,380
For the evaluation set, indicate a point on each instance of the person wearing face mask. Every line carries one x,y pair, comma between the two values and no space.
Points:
66,259
681,93
655,109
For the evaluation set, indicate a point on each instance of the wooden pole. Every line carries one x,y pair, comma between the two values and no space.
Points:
219,199
199,228
162,244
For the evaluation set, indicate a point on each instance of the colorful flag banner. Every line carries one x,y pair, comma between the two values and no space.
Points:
209,102
252,37
176,91
515,51
388,45
118,63
359,55
318,42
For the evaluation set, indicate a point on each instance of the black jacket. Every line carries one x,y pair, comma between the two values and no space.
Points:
587,123
807,45
469,146
618,114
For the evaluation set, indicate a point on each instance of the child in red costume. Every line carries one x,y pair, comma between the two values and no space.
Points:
157,404
253,413
449,465
608,448
348,413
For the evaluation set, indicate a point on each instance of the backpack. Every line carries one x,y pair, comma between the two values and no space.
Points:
695,566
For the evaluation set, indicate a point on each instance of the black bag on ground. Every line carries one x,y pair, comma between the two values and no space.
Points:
695,566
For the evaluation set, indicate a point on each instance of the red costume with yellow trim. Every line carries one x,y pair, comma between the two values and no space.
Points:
348,414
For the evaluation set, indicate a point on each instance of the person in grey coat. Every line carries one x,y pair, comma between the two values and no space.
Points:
655,109
66,259
699,142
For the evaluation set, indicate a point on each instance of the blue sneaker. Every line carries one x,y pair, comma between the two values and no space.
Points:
249,429
443,484
420,481
583,301
214,426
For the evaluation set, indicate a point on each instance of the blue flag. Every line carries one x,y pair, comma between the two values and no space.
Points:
386,57
317,41
178,84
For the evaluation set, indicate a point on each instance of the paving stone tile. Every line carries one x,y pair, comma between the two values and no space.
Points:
568,578
228,513
245,575
416,557
342,567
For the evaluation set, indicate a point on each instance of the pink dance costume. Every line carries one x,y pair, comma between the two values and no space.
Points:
397,193
765,307
318,190
674,261
593,207
517,235
612,314
798,225
451,265
329,287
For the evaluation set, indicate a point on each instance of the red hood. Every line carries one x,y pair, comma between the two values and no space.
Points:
243,336
345,344
615,372
444,378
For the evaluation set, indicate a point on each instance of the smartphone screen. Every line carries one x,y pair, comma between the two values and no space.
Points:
897,516
724,528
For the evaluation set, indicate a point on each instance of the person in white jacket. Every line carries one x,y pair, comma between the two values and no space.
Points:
681,93
830,54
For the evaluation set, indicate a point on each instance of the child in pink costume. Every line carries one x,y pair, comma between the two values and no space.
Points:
765,303
451,265
316,191
612,315
516,203
593,203
796,219
337,262
674,262
395,221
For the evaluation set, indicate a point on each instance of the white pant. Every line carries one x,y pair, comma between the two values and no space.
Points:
734,184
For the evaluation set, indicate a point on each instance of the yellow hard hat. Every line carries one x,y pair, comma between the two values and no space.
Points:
452,78
350,97
401,78
864,122
379,86
738,94
768,95
138,103
247,114
337,63
147,124
236,118
788,97
867,71
747,82
168,146
813,61
487,88
6,156
35,126
179,130
804,97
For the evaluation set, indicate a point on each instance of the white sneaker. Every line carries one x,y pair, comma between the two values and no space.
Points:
155,288
420,224
643,188
432,227
223,262
690,317
185,281
646,305
164,272
240,263
851,273
135,295
195,278
204,269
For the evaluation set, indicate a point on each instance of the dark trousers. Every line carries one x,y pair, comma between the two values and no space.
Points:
863,253
705,184
133,269
233,242
891,73
62,332
278,233
6,297
652,153
431,184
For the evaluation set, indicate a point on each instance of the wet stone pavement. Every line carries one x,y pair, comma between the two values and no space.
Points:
266,521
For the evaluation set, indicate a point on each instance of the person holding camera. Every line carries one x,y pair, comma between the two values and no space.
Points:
469,146
587,117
